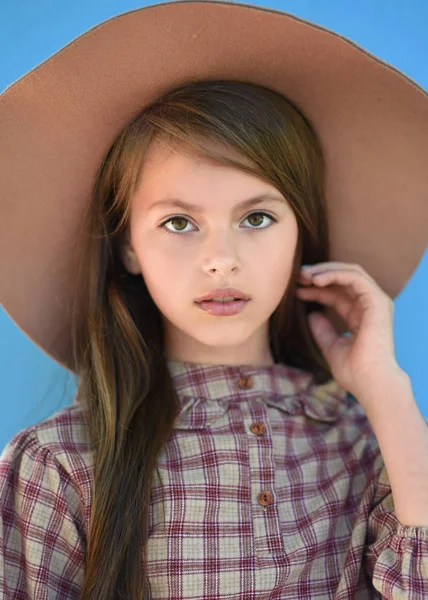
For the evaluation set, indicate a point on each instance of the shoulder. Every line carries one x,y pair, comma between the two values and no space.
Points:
57,444
44,507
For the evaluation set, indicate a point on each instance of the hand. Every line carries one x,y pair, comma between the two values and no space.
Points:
367,354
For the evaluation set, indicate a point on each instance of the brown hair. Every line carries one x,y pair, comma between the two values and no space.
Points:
124,384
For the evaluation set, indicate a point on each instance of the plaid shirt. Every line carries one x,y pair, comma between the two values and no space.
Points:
271,488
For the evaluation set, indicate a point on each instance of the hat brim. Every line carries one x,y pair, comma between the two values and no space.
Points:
58,121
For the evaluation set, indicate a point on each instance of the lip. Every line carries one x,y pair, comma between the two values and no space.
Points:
223,309
223,293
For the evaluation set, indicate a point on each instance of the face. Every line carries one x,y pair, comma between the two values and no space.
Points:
183,254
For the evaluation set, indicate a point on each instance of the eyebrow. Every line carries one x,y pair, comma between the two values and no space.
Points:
176,202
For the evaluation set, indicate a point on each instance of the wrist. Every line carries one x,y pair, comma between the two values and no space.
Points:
388,391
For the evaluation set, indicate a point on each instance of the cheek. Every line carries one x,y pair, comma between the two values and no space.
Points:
158,255
276,277
277,258
275,266
164,278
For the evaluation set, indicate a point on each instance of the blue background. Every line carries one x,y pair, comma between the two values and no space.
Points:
33,385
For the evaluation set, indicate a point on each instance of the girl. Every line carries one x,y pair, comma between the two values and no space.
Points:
239,446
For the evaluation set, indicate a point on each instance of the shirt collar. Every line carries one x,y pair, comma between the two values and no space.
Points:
206,390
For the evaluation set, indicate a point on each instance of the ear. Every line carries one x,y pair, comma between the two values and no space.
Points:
129,257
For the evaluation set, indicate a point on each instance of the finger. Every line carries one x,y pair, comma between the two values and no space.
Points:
323,280
363,289
339,267
334,265
360,285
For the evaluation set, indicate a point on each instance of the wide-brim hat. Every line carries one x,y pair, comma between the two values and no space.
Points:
58,121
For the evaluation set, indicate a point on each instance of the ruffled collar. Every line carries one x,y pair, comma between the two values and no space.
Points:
206,390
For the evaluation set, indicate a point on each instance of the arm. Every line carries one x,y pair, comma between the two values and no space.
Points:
402,434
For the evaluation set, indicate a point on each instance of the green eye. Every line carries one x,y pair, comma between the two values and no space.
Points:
163,227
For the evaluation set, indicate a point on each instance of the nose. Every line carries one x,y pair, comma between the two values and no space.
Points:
220,254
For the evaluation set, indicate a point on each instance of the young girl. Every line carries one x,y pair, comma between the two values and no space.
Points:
237,446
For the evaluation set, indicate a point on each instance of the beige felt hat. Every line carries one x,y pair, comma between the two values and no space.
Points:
58,121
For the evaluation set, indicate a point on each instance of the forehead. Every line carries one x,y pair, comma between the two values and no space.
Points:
176,172
175,155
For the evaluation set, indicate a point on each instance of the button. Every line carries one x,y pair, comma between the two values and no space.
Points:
258,428
245,382
265,498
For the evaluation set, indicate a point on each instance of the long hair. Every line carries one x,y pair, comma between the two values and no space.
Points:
124,385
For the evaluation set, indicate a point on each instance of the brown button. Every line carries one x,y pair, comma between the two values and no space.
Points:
245,382
265,498
258,428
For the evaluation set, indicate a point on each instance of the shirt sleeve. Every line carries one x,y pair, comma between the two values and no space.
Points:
42,540
396,555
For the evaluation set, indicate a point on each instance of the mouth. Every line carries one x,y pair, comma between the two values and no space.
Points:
223,295
223,308
221,300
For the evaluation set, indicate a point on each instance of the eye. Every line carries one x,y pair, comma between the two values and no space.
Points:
163,227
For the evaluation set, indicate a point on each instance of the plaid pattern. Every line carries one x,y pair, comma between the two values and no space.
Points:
270,488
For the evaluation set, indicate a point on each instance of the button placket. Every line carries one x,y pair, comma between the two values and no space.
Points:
266,526
245,383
